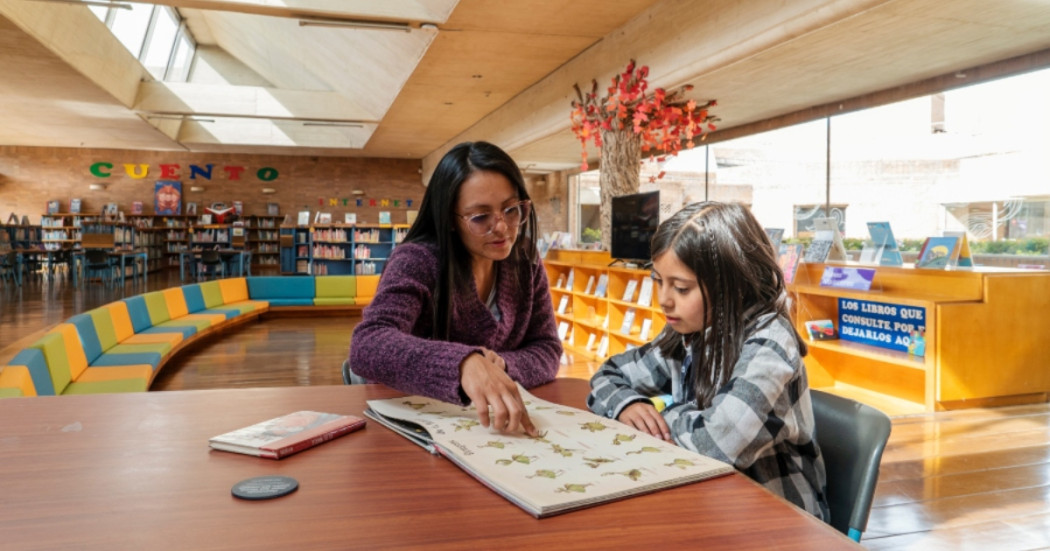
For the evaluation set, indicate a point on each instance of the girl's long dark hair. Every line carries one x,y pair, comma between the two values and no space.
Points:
435,223
740,280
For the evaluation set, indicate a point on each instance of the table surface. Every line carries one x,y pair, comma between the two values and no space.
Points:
135,471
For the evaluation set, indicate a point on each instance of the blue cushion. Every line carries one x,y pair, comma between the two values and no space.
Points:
136,358
33,358
194,297
291,301
281,287
88,336
139,313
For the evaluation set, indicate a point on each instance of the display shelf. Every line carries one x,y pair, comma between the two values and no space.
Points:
593,295
968,314
338,249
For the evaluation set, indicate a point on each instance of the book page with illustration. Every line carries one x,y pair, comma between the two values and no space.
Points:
579,459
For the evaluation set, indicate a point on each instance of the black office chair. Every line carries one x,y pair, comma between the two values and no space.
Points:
351,378
211,264
851,437
98,264
9,266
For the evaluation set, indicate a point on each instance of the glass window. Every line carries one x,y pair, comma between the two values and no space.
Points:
129,26
183,58
160,42
589,201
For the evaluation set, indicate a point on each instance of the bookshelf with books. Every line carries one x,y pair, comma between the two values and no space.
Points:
263,240
592,308
64,230
17,236
338,249
966,315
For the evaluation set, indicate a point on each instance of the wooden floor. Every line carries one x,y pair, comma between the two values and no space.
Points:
971,479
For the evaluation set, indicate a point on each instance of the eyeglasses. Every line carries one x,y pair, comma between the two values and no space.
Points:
484,222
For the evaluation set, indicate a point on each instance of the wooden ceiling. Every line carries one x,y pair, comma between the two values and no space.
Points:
471,69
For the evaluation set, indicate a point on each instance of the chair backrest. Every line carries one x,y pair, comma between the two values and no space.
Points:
96,257
851,437
210,257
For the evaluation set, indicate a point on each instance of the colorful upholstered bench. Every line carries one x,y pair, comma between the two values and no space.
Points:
282,290
335,290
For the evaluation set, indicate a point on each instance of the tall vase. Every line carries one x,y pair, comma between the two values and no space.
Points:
620,172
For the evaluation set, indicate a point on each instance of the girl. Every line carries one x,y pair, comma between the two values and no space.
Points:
725,377
463,308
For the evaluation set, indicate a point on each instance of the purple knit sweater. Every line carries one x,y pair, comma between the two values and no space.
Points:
392,344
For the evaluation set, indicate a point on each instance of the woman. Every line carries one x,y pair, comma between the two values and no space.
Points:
463,310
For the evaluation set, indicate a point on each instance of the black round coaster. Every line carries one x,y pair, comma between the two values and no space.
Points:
265,487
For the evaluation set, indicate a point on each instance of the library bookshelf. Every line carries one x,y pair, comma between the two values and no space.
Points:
984,328
595,314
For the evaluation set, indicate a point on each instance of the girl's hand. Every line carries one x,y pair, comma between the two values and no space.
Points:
485,381
644,417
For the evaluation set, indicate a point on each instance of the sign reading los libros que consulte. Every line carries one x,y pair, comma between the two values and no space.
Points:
879,323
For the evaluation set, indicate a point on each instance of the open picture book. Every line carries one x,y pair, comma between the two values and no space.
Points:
578,459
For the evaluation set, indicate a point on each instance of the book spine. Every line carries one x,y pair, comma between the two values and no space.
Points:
311,442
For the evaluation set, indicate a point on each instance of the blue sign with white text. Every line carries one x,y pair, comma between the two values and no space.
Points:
880,323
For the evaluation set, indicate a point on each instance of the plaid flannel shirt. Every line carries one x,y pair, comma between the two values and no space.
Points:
761,421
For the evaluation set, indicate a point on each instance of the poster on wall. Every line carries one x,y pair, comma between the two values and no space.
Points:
167,197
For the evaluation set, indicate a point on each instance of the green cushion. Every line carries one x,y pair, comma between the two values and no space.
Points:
157,306
200,324
212,293
334,301
106,387
344,286
161,348
107,336
10,392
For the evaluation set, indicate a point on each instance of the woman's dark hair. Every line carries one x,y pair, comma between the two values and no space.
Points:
435,223
740,280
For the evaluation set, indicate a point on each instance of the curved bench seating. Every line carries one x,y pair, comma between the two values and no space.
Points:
122,346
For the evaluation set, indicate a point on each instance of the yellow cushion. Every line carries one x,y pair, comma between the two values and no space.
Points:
17,377
118,313
234,289
176,302
116,373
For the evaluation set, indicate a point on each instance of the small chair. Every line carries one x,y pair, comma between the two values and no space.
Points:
9,266
97,263
211,264
351,378
851,437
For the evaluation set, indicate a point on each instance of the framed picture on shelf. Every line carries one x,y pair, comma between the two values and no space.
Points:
136,207
304,218
273,209
52,206
74,206
191,209
167,197
324,218
238,208
350,218
205,219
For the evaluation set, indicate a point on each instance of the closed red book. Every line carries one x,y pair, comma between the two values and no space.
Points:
288,434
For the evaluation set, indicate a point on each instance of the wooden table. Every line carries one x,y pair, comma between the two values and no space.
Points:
134,471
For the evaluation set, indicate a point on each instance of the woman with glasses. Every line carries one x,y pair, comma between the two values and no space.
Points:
463,309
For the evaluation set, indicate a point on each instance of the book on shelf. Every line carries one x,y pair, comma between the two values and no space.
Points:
818,249
603,344
238,208
590,285
628,321
790,254
560,282
603,284
384,217
136,207
568,282
288,434
563,304
628,292
647,325
828,228
578,459
563,330
53,206
962,255
937,252
75,205
645,295
591,337
775,236
821,330
324,218
882,248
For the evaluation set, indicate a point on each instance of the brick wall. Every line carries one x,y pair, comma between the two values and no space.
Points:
30,176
